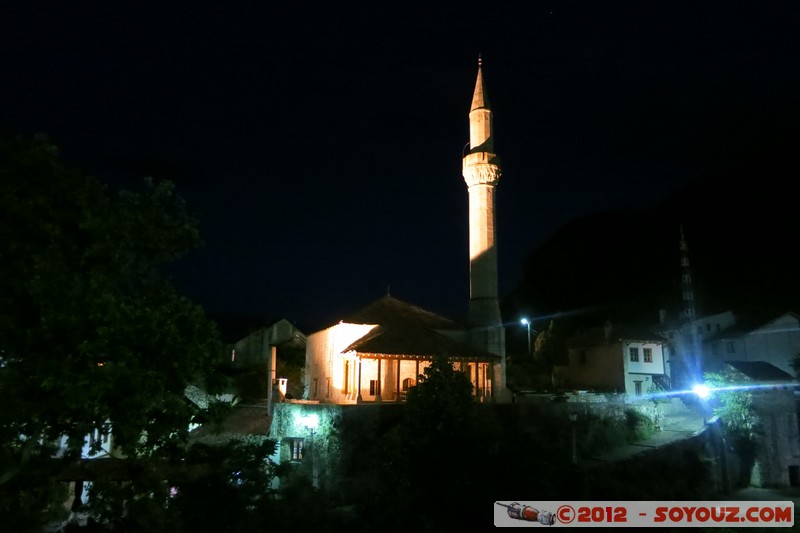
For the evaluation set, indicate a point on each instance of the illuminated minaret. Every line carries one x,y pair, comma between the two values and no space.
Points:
481,169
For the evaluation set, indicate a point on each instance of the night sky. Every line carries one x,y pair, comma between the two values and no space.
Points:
320,144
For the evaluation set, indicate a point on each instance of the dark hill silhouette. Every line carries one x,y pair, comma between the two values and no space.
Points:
740,224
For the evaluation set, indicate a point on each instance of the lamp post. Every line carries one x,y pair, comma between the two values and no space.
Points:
314,477
573,417
703,392
527,323
310,424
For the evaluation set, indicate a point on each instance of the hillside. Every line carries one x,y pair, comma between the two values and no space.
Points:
740,225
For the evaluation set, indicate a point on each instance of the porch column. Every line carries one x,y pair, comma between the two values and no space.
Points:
490,368
378,397
359,398
397,383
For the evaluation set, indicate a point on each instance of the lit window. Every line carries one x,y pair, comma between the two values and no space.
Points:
408,383
295,448
648,355
634,354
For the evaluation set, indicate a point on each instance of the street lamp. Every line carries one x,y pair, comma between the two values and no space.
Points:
310,424
526,322
573,417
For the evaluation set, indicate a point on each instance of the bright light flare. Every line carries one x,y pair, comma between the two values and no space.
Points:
309,421
702,391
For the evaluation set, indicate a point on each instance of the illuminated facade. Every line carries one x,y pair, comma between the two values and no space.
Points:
377,354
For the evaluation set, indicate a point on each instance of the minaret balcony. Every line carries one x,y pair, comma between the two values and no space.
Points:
481,168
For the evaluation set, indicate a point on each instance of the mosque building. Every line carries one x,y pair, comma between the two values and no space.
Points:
377,353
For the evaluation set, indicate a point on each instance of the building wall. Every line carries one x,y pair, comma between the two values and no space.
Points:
607,367
254,349
779,453
686,339
101,437
641,371
777,343
326,363
408,370
601,368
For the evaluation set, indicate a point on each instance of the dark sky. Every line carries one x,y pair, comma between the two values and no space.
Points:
320,144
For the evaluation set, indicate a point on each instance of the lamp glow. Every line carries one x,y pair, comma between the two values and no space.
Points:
308,421
702,391
525,322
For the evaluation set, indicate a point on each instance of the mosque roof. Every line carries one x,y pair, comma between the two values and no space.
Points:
414,342
389,311
408,331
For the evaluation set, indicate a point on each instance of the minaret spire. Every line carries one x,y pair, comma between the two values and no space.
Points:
691,339
481,170
687,289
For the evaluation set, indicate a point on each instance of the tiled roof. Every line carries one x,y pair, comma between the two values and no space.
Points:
389,311
760,371
414,341
747,323
617,333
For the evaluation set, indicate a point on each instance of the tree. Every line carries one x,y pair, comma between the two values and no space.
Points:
441,402
735,409
93,336
551,345
424,466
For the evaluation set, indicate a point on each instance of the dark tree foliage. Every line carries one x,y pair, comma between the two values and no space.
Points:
220,488
441,403
421,467
92,335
